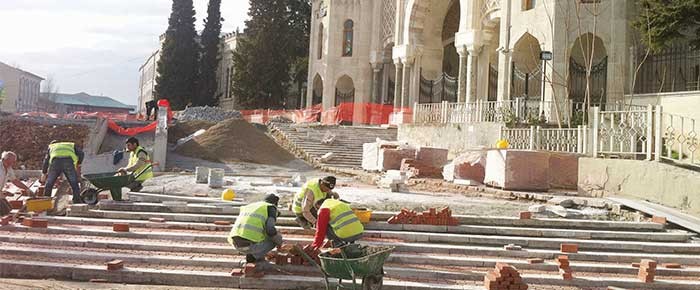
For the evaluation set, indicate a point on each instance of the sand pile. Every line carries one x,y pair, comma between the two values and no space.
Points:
30,140
184,129
236,140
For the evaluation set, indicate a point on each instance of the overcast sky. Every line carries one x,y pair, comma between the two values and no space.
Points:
95,46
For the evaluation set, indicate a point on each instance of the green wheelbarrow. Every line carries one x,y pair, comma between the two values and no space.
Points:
108,181
353,262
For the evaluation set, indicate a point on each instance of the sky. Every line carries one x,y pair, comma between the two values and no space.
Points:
93,46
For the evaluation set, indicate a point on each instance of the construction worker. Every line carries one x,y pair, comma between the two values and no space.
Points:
254,233
139,163
337,222
7,174
63,158
305,200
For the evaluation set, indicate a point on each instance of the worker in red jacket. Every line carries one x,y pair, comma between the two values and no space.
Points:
337,222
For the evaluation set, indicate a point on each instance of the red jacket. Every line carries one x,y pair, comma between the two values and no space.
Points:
324,217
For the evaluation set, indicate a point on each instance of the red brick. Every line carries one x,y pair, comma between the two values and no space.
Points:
99,281
567,275
5,220
201,195
658,220
222,223
156,220
535,261
645,277
569,248
635,265
237,272
120,227
16,204
671,266
648,263
35,223
525,215
115,265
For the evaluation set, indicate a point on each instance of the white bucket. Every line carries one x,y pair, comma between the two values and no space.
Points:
201,173
216,178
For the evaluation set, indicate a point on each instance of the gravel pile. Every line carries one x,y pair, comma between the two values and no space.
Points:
209,114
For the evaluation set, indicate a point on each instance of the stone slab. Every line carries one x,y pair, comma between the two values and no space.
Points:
517,170
563,170
391,158
432,156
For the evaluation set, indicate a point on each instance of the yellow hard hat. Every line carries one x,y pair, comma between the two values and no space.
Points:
228,194
502,144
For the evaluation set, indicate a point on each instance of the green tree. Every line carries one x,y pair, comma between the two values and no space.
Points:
300,23
662,22
177,67
209,62
263,58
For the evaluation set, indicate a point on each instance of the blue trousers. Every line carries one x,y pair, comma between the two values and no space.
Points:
66,167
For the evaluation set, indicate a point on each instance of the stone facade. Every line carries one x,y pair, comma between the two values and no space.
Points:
149,71
483,44
20,90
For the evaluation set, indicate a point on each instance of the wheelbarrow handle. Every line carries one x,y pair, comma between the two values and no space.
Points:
137,175
308,258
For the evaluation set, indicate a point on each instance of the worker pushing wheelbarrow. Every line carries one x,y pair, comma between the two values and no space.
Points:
114,182
352,262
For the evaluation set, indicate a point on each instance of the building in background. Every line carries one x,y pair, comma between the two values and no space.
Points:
148,72
58,103
19,90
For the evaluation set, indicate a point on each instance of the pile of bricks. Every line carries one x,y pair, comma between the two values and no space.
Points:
504,277
35,223
249,271
416,168
288,255
565,268
6,220
647,271
429,217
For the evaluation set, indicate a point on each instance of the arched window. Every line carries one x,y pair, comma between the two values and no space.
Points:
320,41
347,38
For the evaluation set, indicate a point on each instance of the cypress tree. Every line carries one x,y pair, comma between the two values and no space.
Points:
177,67
209,62
662,22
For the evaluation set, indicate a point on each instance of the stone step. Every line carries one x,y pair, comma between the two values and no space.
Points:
450,240
430,252
134,217
232,208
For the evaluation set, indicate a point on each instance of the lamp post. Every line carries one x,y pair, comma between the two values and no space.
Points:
544,57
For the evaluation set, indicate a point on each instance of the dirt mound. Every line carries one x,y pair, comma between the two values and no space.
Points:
30,140
184,129
234,141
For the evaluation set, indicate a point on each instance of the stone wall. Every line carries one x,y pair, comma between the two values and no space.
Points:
458,138
685,104
649,180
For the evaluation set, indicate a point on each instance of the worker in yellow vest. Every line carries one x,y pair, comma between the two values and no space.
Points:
254,233
305,200
63,158
338,223
139,163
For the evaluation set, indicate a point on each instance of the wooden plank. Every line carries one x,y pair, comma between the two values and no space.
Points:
672,215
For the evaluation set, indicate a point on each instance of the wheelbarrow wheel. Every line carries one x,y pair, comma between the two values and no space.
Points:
372,283
90,196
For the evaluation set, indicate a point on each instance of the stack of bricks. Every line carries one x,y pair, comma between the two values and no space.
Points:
647,271
35,223
6,220
287,255
429,217
504,277
420,169
565,268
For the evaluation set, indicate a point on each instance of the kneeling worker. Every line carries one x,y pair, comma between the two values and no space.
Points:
308,196
254,233
338,223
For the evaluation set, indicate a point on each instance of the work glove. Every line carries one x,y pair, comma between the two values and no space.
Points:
277,239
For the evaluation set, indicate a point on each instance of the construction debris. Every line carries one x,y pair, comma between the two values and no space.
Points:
468,166
327,157
565,267
504,277
209,114
647,271
420,169
429,217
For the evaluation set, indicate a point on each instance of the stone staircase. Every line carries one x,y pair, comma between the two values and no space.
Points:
305,142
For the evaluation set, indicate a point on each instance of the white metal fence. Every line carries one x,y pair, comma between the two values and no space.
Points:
571,140
677,139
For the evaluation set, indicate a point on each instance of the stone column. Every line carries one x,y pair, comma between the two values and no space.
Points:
471,75
160,145
398,84
406,85
376,82
462,78
504,71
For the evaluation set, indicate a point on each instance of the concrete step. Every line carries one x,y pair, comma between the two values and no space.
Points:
450,240
135,218
149,202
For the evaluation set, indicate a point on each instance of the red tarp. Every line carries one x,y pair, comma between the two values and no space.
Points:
367,113
131,131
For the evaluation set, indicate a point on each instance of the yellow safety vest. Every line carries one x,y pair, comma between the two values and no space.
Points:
250,223
315,187
343,220
63,149
134,158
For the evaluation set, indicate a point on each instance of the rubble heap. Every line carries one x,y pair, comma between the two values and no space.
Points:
504,277
30,140
209,114
429,217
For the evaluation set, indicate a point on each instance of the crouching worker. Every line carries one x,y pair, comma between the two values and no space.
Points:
308,196
338,223
254,233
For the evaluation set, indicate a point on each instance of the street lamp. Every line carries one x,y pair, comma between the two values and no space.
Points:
544,57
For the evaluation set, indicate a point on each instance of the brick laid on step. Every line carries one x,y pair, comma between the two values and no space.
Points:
658,220
115,265
120,227
569,248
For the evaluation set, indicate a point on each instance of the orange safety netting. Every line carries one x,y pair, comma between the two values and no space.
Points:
357,113
130,131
